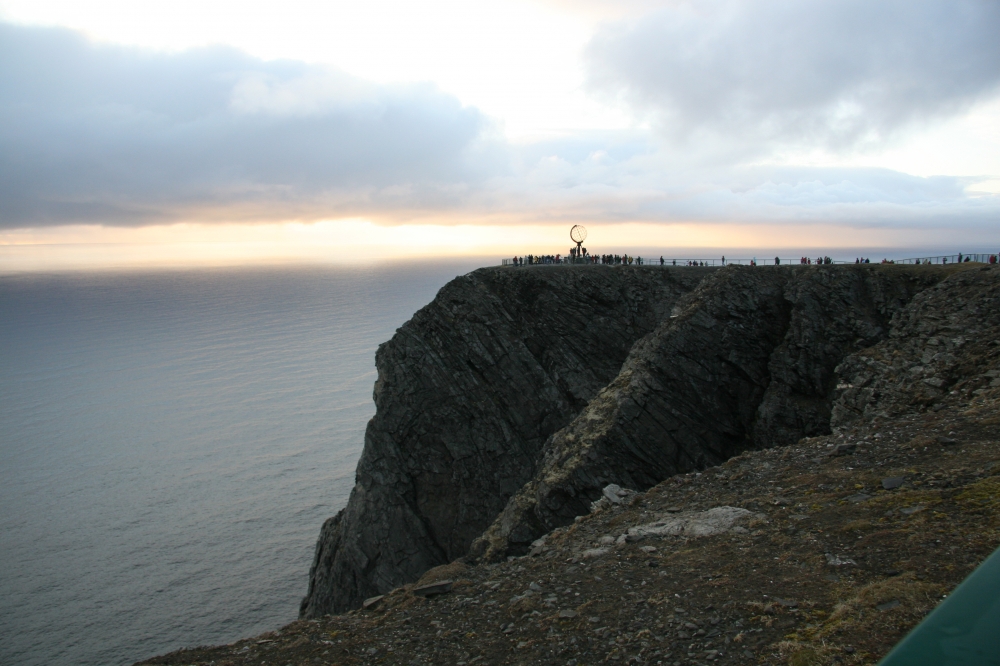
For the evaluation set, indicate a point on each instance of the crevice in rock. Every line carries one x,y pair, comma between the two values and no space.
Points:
747,362
516,395
468,392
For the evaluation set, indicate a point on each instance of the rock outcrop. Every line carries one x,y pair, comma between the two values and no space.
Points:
746,362
468,391
508,403
826,551
943,345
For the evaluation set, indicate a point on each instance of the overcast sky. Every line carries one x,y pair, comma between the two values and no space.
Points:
825,114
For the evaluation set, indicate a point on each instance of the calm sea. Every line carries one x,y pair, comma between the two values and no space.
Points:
171,442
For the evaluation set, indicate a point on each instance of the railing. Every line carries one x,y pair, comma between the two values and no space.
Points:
950,259
646,261
655,261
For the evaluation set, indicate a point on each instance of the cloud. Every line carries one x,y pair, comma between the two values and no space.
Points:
630,180
839,74
111,135
96,133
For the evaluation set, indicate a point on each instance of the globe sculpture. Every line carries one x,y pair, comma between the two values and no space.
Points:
578,234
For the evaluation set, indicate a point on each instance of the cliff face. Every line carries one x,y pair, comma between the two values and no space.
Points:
747,362
942,347
827,551
515,396
468,391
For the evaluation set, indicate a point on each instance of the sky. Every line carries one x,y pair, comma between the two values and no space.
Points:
161,131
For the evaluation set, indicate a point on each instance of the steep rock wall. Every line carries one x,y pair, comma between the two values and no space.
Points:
468,391
945,346
747,361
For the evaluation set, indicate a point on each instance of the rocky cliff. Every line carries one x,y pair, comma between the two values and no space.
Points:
941,349
510,401
468,391
826,551
746,362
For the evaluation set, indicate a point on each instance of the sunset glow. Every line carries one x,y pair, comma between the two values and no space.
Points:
163,133
360,241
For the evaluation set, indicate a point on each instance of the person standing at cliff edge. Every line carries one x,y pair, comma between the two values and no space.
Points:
777,261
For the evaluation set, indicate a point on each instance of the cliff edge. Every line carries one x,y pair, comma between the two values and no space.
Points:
826,551
746,362
510,401
468,392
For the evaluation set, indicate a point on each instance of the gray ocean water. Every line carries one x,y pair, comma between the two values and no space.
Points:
171,442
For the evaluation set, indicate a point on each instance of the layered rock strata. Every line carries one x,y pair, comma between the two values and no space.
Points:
826,551
468,391
510,401
746,362
943,346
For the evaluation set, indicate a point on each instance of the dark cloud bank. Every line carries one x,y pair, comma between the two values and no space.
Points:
106,134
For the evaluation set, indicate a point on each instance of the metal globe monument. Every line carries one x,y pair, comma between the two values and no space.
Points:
578,234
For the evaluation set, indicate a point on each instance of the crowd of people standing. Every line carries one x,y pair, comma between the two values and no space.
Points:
583,257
